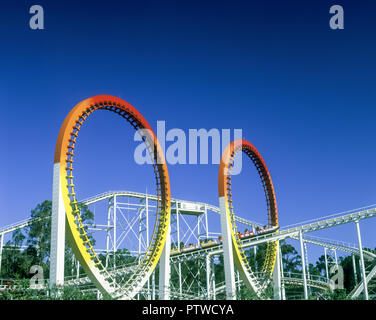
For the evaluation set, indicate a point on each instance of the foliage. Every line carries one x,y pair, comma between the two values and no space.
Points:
16,263
20,290
290,258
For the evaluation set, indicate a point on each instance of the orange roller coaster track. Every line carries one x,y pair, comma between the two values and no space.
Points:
225,193
76,231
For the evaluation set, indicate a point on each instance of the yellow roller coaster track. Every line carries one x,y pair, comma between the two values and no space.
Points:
76,231
224,188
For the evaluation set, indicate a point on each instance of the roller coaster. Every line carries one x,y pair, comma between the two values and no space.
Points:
181,243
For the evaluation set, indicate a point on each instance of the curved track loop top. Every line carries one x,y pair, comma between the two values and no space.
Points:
76,232
224,188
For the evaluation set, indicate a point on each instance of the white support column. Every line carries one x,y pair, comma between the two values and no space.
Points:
238,280
1,248
227,252
363,271
147,221
326,264
139,238
57,231
303,266
147,234
180,280
199,219
306,260
108,232
307,265
153,286
354,268
77,269
277,276
208,272
255,250
178,244
73,265
198,232
335,257
177,224
283,291
114,234
139,234
214,295
164,269
206,222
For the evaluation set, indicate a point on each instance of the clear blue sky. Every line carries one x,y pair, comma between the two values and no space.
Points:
302,93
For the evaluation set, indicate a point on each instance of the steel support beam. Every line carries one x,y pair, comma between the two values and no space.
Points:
283,291
277,276
57,231
108,232
363,270
307,265
326,264
214,295
153,286
114,230
255,250
208,273
206,222
164,269
303,266
228,257
238,280
77,269
1,248
354,269
335,257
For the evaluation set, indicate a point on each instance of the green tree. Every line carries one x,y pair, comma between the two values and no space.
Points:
16,263
291,260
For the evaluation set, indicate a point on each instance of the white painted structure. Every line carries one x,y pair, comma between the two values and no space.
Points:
57,231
